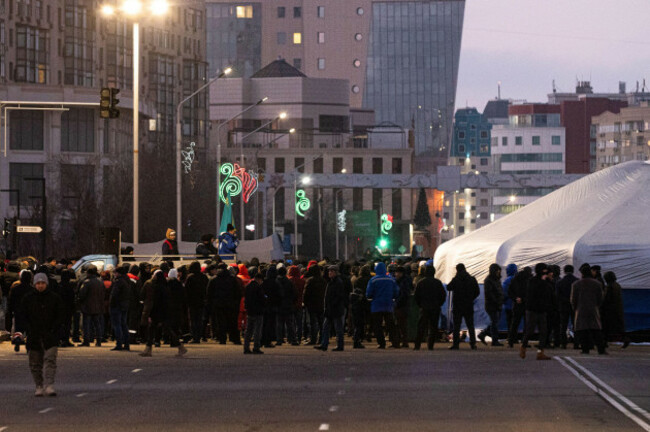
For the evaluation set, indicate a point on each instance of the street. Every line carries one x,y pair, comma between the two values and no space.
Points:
300,389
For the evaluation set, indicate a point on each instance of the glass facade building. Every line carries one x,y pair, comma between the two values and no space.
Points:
234,37
412,71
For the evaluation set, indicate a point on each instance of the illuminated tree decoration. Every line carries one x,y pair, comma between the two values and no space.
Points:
188,158
302,203
231,185
386,223
340,220
238,180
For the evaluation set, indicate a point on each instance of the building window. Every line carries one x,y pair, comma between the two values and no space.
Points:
377,165
18,172
297,38
279,165
31,55
536,140
261,164
282,38
461,215
320,11
461,148
297,12
297,63
556,140
461,134
337,165
321,63
484,161
357,199
26,130
377,200
504,141
299,164
519,140
357,165
318,166
320,37
279,204
244,11
78,47
396,205
484,134
397,165
282,11
78,130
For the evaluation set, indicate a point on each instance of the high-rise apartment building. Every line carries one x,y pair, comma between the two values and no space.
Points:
623,136
400,56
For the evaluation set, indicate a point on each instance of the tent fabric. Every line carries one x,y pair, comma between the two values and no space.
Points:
603,219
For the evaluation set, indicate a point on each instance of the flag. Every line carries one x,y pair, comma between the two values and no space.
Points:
226,217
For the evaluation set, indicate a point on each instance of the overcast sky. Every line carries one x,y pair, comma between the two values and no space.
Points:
526,44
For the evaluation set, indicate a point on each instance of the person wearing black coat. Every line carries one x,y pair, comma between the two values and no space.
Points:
539,301
314,300
465,290
286,307
359,306
270,286
254,301
563,291
224,297
14,313
66,290
493,303
155,313
205,248
43,312
402,306
196,287
429,296
119,308
517,292
334,311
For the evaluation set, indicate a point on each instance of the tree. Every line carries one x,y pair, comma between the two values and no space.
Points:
422,218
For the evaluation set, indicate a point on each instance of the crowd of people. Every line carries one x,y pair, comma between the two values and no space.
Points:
297,303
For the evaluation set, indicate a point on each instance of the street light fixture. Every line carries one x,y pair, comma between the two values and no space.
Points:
133,9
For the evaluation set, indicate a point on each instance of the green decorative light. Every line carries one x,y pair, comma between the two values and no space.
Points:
386,223
231,185
302,203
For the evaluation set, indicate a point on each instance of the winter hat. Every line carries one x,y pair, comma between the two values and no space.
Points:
173,273
206,237
169,233
230,227
40,277
279,266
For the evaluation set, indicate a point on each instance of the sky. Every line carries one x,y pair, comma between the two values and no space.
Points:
526,44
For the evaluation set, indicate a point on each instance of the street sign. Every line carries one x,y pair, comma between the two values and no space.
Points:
29,229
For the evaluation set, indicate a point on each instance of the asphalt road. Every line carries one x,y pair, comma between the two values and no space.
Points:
217,388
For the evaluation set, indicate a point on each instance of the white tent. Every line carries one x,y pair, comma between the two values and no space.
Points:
603,218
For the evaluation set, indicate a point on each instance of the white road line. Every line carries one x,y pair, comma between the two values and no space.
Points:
113,381
136,370
46,410
629,403
80,395
605,396
334,408
324,427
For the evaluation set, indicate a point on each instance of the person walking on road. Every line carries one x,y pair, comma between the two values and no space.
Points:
43,311
465,290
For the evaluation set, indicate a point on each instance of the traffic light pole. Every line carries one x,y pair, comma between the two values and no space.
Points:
14,240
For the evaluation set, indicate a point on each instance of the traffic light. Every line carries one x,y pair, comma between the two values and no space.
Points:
382,243
108,103
6,229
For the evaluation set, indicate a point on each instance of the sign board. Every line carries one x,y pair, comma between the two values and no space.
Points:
29,229
402,249
363,223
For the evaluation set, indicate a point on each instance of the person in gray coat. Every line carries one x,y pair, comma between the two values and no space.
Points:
586,298
91,299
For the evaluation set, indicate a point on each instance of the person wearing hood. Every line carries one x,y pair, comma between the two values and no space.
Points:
224,298
119,308
429,295
563,292
359,305
170,245
465,290
205,247
195,291
286,309
493,304
314,298
228,241
382,291
511,272
17,293
299,287
517,292
43,312
91,299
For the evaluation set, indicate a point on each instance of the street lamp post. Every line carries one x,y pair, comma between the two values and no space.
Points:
179,137
218,198
133,9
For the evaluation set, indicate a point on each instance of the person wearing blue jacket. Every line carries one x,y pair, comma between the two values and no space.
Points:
511,271
382,291
228,241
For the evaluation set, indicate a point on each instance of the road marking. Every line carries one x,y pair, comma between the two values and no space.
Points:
80,395
46,410
645,426
324,427
628,402
113,381
334,408
341,392
136,370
